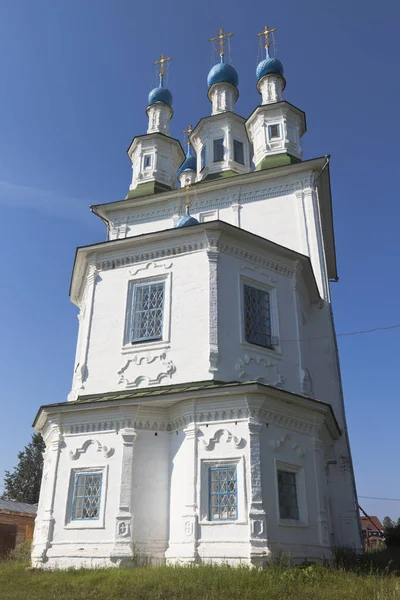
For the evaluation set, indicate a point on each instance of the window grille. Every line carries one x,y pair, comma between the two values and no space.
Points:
257,316
238,153
87,493
148,309
223,502
218,149
288,507
147,160
203,157
274,131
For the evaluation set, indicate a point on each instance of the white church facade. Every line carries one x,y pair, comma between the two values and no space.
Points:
206,418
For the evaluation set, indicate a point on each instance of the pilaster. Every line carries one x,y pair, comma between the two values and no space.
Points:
122,550
213,257
320,483
257,518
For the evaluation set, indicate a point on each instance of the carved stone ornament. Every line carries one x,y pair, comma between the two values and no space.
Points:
307,384
277,445
252,365
123,528
222,436
107,452
148,369
150,266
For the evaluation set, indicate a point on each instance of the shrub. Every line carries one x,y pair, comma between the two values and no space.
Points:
22,552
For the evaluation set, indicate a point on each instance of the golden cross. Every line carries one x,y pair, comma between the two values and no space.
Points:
162,62
266,33
220,39
188,131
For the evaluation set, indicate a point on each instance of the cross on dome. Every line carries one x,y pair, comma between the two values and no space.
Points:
266,32
163,66
220,39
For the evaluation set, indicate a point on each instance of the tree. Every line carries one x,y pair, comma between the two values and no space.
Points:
387,523
23,484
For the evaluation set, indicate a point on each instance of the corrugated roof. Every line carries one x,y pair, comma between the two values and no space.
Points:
18,507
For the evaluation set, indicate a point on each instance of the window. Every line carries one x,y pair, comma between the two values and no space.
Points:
203,157
287,491
238,153
87,493
218,149
147,312
222,502
147,161
257,316
274,131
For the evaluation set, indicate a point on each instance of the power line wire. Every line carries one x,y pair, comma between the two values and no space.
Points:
376,498
347,333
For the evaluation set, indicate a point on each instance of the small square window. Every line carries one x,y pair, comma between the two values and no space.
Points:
147,161
222,496
274,131
287,491
238,153
87,495
219,150
203,158
257,316
148,311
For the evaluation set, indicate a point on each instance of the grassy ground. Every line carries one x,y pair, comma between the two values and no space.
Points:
204,582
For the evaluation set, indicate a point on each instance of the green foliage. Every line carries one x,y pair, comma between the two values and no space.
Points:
203,582
392,536
21,553
387,522
23,484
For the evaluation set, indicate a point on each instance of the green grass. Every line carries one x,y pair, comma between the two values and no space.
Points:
314,582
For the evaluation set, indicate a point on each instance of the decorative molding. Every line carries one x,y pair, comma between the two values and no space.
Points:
107,452
268,263
276,445
259,270
272,377
224,436
213,256
150,266
307,388
123,261
136,370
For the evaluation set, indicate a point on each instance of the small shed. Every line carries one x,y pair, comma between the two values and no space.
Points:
17,522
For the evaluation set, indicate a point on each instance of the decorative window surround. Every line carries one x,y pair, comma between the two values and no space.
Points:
87,496
98,523
298,469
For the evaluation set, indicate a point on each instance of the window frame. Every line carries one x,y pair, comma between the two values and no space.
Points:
294,487
203,157
238,461
275,348
252,341
131,348
218,469
239,162
145,158
215,140
299,471
134,312
270,126
98,523
75,496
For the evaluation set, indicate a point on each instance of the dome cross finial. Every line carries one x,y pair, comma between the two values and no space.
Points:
163,67
266,32
220,39
187,133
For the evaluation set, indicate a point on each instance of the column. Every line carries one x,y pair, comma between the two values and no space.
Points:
122,549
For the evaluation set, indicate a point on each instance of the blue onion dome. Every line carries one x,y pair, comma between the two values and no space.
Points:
222,73
187,220
190,162
160,94
269,66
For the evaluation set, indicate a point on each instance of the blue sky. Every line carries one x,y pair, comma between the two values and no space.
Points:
75,77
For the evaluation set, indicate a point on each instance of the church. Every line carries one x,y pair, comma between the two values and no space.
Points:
206,418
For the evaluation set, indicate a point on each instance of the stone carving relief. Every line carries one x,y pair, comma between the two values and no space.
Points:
259,270
107,452
222,436
276,445
123,528
149,369
150,267
249,365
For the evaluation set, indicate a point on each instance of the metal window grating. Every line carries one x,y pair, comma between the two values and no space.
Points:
223,502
